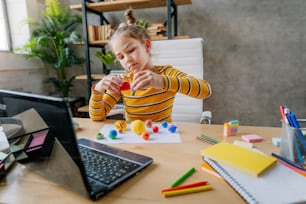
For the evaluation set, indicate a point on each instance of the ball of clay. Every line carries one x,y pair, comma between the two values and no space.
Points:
138,126
148,123
155,129
145,135
172,128
120,126
112,134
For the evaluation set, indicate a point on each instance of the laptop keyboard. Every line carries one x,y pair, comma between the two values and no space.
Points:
104,167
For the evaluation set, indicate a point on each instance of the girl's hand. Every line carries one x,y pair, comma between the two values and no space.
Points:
147,78
109,82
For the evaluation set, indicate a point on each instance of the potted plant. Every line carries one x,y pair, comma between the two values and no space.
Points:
51,41
107,59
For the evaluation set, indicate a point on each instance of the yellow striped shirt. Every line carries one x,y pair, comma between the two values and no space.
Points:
151,103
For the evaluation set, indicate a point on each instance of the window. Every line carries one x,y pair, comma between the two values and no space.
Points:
4,28
14,31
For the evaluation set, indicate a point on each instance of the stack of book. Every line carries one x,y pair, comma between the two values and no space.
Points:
98,32
156,31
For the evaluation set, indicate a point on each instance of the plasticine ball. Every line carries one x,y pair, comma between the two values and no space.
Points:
125,86
100,135
148,123
145,135
112,134
120,126
164,124
138,126
155,129
172,128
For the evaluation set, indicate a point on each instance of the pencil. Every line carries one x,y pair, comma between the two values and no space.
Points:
183,177
191,185
187,190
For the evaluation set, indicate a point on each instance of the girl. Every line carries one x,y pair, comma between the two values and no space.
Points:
152,88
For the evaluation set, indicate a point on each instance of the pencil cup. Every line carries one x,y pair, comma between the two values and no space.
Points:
291,147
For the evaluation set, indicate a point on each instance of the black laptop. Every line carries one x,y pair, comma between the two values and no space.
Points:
102,167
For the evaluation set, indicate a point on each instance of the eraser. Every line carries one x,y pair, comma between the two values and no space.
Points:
276,141
251,138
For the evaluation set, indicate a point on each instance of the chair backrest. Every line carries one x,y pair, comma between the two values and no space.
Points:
187,56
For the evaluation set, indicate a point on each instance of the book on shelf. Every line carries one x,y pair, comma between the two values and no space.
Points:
98,32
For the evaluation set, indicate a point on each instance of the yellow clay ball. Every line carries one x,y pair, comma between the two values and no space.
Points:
138,126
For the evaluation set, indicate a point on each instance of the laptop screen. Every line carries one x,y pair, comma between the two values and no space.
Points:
54,111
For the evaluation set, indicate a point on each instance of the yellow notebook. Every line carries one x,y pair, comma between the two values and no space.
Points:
239,158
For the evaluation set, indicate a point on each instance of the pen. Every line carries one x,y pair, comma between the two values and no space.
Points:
191,185
188,190
288,161
297,170
208,139
183,177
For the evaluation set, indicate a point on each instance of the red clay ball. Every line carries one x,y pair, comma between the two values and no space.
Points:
155,129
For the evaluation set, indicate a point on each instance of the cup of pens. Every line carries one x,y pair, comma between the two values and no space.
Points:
293,145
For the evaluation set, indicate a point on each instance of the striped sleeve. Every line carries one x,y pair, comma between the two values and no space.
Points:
100,104
177,81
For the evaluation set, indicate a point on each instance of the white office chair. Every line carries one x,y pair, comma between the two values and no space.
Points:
187,56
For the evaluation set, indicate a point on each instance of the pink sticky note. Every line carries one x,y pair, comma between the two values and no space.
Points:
251,138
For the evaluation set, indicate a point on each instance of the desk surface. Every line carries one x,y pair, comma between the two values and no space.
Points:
171,160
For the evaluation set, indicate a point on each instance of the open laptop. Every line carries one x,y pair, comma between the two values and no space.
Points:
57,115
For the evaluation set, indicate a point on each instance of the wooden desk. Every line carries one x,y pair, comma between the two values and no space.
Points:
170,162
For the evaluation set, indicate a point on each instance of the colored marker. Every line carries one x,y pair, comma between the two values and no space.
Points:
281,108
188,190
191,185
288,161
183,177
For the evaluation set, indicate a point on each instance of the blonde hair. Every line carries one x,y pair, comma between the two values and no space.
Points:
133,31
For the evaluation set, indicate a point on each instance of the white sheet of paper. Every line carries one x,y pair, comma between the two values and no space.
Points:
162,136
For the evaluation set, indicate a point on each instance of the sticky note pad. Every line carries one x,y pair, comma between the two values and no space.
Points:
251,138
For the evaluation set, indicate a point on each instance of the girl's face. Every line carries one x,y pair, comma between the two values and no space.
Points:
132,54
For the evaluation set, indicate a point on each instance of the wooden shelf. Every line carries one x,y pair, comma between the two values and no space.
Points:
120,5
93,77
104,42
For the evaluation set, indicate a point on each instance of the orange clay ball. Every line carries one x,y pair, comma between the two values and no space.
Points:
145,135
148,123
120,126
138,126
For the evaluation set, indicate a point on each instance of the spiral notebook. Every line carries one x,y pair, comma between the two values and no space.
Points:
278,185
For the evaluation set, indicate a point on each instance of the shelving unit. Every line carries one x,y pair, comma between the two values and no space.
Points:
99,8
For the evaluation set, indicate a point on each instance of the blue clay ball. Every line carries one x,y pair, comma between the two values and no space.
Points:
164,124
112,134
172,128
